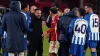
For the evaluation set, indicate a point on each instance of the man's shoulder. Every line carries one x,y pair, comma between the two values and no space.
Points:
81,20
94,15
66,17
8,13
89,15
74,20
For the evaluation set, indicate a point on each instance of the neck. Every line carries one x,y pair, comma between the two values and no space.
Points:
25,11
53,15
90,11
80,16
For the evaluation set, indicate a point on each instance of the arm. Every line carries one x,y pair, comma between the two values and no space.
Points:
24,24
53,26
4,23
29,22
71,27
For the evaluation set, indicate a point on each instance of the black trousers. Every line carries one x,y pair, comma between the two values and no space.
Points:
29,46
0,42
98,49
37,46
29,50
63,49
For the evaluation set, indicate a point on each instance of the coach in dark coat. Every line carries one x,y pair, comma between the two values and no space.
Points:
36,35
14,23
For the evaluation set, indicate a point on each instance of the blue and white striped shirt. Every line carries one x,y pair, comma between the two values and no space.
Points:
93,29
78,27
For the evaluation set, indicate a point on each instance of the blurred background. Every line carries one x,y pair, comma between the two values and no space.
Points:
44,5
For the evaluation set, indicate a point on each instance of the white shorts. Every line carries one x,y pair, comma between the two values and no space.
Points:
13,54
53,47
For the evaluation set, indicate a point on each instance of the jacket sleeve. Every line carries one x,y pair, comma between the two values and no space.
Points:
24,24
29,22
4,23
60,23
71,27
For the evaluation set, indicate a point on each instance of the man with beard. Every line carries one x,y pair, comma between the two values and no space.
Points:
93,35
36,35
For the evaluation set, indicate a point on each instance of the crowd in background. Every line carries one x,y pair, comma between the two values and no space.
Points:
21,31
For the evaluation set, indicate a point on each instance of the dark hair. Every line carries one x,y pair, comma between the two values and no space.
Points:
89,5
82,11
53,10
37,9
24,5
59,10
66,8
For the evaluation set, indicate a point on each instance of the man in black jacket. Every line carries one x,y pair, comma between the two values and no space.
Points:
36,35
14,23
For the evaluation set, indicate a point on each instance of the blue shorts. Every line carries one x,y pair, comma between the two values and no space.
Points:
25,43
76,49
92,44
5,53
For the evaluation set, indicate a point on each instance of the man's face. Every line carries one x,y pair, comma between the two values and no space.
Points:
87,9
78,13
33,9
59,13
66,11
38,13
27,8
50,13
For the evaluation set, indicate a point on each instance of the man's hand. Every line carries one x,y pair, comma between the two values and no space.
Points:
47,36
43,38
45,33
28,42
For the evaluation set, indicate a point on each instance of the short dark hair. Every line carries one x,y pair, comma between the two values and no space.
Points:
82,11
89,5
53,10
37,9
59,10
24,5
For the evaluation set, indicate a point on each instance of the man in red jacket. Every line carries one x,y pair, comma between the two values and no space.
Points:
53,31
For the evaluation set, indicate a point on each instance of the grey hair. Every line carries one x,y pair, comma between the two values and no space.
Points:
75,10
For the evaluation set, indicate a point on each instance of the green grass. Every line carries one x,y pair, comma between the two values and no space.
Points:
88,53
45,43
